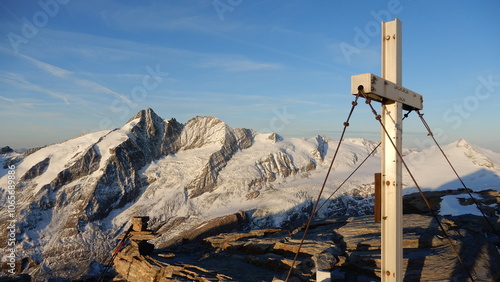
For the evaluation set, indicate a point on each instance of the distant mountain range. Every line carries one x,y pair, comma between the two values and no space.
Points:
74,197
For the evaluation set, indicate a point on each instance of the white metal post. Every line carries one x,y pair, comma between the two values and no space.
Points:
392,111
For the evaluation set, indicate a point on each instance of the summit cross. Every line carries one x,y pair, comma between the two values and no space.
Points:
394,98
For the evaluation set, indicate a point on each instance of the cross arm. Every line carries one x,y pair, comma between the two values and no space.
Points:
380,89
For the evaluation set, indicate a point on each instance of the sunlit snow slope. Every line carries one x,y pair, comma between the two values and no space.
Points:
73,197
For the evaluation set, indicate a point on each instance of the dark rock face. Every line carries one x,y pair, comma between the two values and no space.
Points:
155,136
36,170
121,183
322,146
11,161
6,150
84,166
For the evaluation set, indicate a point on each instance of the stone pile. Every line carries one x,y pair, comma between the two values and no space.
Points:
139,236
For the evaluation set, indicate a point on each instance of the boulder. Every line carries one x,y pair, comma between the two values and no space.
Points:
209,228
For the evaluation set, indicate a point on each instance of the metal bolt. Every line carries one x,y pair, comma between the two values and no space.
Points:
388,273
387,183
387,37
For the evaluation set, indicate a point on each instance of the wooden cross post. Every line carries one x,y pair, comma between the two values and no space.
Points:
392,194
394,99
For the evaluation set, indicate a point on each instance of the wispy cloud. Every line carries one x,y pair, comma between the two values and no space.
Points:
70,76
168,16
7,99
239,65
96,87
19,81
59,72
201,18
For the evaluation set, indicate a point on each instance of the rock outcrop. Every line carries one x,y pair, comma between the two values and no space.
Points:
348,248
209,228
36,170
345,248
6,150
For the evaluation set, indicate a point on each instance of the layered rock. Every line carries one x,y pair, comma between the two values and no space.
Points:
212,227
258,255
346,249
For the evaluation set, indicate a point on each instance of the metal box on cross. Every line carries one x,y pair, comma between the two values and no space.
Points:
380,89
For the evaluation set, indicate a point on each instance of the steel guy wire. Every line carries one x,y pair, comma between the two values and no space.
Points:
379,118
346,124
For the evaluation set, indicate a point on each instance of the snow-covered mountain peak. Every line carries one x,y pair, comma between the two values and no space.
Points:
202,131
149,122
83,190
146,114
462,143
479,156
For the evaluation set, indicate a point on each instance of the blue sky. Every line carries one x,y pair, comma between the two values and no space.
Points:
70,67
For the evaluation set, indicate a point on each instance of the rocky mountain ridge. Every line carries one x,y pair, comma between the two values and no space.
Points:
74,197
66,191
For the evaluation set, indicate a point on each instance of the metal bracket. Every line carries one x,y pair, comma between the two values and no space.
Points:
380,89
